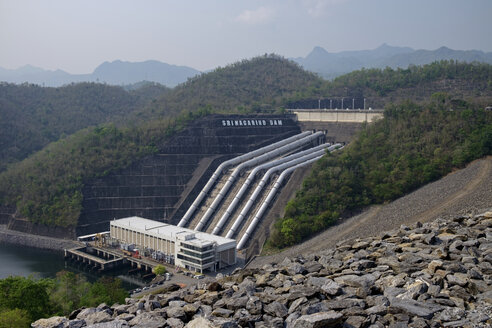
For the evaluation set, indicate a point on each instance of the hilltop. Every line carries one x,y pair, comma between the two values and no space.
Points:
256,85
32,116
116,73
330,65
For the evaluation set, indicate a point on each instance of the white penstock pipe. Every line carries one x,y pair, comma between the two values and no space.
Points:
271,194
249,204
231,162
225,217
252,162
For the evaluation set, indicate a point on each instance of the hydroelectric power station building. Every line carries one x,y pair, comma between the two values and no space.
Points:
192,250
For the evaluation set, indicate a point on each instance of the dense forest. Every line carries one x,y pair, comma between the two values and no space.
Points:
47,187
98,128
258,85
24,300
461,81
32,116
413,145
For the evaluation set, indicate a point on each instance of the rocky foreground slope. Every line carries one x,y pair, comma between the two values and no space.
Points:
436,274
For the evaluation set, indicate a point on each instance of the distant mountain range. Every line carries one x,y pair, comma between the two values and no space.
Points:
116,73
330,65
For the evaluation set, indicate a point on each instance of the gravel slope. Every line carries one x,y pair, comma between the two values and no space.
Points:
464,191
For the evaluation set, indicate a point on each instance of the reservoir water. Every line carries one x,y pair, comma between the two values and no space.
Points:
25,261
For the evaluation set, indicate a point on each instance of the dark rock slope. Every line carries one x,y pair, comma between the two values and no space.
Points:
436,274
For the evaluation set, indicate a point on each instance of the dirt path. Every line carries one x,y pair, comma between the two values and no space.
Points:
465,191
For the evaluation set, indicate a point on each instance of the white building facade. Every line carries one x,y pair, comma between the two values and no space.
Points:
192,250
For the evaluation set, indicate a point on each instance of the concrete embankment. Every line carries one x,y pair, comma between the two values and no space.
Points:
25,239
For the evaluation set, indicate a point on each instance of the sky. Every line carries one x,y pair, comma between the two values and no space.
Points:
78,35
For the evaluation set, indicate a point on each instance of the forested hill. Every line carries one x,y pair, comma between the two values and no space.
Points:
411,146
32,116
460,81
46,187
259,84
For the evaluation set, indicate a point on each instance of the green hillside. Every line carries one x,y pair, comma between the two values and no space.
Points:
410,147
461,81
46,187
259,85
32,116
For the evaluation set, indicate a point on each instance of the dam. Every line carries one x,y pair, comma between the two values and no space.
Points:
164,186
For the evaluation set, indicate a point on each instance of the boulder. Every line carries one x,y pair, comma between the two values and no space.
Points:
319,320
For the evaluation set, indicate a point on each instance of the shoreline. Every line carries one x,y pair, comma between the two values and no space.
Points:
42,242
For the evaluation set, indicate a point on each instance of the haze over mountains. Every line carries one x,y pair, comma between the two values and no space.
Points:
115,73
330,65
327,65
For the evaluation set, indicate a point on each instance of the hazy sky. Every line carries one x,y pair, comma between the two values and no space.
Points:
77,36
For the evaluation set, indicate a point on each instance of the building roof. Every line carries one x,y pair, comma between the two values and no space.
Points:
170,232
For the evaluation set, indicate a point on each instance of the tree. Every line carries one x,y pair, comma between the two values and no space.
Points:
26,294
159,270
15,318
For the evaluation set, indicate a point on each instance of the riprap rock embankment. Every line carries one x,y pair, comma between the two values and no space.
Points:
436,274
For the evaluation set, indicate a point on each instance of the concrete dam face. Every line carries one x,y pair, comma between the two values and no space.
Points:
162,186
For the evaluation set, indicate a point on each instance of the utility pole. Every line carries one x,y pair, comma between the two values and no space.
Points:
364,103
330,103
353,102
342,102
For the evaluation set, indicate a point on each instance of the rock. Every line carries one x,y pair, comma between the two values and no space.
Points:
296,268
76,323
295,304
190,309
223,313
111,324
450,314
98,317
339,304
378,310
459,279
319,320
436,274
276,309
125,316
254,305
225,323
199,322
53,322
317,281
236,303
214,287
176,312
413,308
175,323
122,309
331,288
434,265
355,322
149,320
85,312
315,308
365,281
